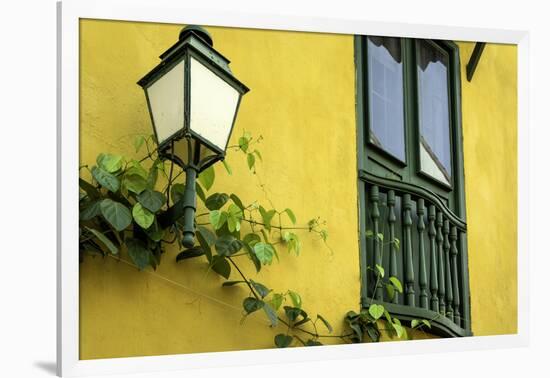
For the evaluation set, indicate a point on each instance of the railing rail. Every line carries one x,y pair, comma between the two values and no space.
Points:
418,239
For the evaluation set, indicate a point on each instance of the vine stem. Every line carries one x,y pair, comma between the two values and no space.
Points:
314,334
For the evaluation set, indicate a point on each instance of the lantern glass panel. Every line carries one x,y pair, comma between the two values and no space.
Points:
166,101
213,105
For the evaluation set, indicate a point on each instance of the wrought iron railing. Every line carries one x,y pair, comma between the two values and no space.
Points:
414,236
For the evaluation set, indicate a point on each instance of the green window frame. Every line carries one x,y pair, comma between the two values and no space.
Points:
397,199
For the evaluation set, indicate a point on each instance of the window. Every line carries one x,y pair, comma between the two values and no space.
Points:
411,181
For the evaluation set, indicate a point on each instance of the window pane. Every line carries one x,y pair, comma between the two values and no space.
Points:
433,92
385,91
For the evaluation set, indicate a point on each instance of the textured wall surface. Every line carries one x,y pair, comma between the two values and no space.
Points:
302,102
489,126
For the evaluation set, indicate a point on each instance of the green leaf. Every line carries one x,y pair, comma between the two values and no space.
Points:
237,201
207,177
251,305
267,216
135,183
151,200
380,270
373,332
135,168
176,192
251,239
293,242
138,142
264,252
260,289
312,342
292,313
200,192
399,330
415,323
251,160
216,201
110,163
380,236
105,240
232,283
154,232
271,314
295,298
152,177
427,323
369,233
138,252
291,215
376,311
325,322
228,245
208,235
105,179
203,236
116,214
227,167
391,291
92,210
282,340
189,253
396,283
253,257
90,190
217,218
243,144
142,216
258,154
276,301
397,243
221,266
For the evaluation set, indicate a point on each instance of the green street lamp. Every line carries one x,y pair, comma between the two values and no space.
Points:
193,99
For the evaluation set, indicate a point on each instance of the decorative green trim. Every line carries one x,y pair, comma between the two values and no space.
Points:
378,169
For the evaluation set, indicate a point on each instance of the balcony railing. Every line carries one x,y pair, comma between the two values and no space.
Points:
414,236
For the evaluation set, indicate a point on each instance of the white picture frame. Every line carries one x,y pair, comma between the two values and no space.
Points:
69,13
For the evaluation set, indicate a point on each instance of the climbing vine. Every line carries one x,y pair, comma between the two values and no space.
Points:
123,198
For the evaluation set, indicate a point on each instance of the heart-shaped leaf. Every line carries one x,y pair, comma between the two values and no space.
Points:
151,200
376,311
105,179
282,340
138,252
116,214
142,216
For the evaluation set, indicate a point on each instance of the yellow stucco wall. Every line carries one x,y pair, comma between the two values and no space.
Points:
303,104
489,127
293,102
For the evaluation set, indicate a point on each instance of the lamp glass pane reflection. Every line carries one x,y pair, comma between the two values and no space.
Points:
166,102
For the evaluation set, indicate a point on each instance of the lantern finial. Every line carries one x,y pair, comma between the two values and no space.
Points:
201,32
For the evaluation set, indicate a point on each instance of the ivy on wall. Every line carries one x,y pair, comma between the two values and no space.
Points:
120,205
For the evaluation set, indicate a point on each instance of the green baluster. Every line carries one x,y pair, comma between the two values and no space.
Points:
393,246
422,270
454,271
448,282
409,270
433,259
375,199
440,263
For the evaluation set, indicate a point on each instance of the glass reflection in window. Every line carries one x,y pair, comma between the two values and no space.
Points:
385,94
433,92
